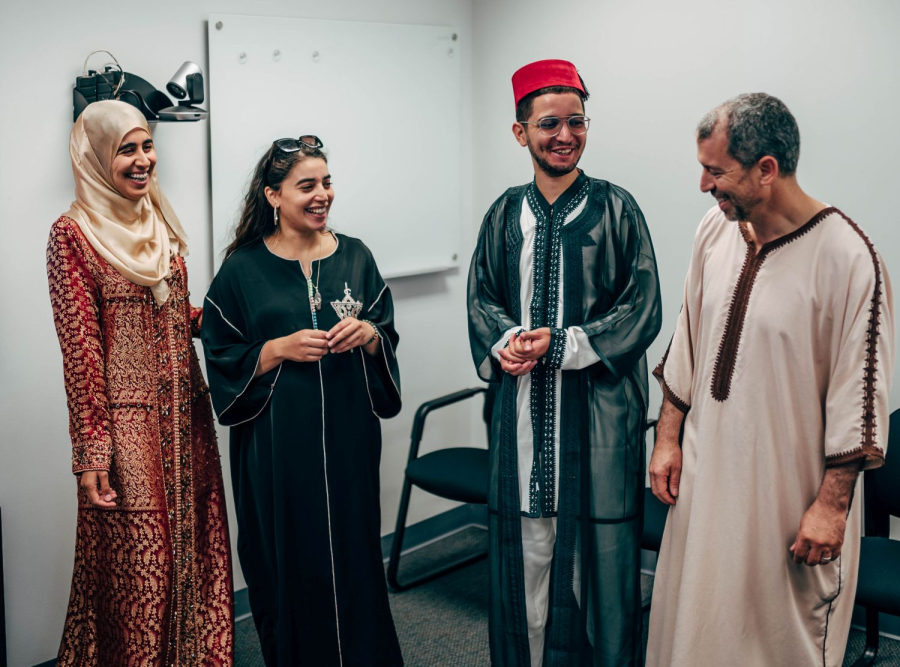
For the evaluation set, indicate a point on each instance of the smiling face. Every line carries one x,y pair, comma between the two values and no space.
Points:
559,155
305,196
734,187
133,165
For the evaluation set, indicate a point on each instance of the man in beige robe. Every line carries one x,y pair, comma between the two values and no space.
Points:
779,372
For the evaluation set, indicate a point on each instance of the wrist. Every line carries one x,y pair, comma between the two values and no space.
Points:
837,506
666,443
374,335
276,350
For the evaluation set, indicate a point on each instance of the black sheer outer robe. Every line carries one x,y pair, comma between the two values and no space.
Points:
610,290
305,455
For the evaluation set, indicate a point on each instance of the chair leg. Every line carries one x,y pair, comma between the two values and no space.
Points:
397,550
397,543
871,651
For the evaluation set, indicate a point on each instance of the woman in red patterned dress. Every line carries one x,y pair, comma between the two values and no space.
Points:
152,578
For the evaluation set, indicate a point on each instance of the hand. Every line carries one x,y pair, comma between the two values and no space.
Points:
665,471
530,345
821,535
349,333
514,365
89,481
304,345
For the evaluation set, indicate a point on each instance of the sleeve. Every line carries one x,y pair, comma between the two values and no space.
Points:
856,405
676,370
74,296
232,357
196,321
490,325
382,372
621,335
578,352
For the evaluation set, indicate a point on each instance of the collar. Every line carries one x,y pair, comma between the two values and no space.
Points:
562,201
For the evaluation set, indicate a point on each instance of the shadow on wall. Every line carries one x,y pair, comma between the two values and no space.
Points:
422,286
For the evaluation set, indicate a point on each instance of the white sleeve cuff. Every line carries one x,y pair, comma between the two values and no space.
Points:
579,353
504,339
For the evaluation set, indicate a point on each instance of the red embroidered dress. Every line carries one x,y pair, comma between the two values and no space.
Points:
152,577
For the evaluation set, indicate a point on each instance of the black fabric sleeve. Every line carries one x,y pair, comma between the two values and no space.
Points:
231,358
622,334
487,293
382,369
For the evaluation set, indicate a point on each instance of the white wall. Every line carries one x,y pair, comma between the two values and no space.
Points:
654,68
42,48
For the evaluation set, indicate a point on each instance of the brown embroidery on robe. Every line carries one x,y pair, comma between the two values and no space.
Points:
731,338
659,374
868,449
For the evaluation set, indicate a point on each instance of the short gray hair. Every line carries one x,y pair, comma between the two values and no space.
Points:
757,125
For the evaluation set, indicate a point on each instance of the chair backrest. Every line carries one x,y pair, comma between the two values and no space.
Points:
885,480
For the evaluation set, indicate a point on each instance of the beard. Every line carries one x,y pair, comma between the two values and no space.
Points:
549,169
741,207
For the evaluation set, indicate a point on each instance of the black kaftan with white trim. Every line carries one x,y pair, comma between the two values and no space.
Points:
305,454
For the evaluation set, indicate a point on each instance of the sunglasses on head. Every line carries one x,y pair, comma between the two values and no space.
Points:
310,141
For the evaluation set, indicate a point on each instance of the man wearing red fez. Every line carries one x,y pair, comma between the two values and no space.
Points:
563,302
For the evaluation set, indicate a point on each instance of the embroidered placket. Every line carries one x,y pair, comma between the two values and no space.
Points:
544,309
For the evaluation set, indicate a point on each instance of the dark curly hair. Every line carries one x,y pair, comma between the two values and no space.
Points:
257,221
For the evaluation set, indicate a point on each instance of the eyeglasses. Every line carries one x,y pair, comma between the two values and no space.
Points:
310,141
551,125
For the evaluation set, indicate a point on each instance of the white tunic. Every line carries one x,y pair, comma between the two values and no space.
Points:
783,362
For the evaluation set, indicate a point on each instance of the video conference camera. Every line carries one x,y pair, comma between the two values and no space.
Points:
113,83
187,86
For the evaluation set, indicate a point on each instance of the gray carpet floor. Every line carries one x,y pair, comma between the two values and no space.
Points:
444,622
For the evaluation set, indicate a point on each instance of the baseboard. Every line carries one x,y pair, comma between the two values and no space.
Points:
241,604
417,535
443,524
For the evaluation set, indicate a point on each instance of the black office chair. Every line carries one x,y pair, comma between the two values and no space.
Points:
878,585
457,473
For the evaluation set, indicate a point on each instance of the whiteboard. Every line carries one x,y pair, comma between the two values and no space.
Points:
384,99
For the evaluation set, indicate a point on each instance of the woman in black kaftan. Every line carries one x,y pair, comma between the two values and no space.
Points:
306,443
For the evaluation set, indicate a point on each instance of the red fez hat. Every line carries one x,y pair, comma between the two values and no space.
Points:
543,74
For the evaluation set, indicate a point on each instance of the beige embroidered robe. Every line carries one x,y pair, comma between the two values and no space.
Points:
782,362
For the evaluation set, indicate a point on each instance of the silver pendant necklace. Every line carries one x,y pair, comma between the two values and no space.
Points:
315,299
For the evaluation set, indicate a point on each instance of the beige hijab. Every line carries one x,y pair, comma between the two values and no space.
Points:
138,238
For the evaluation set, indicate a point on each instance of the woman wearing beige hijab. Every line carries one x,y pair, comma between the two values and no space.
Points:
152,577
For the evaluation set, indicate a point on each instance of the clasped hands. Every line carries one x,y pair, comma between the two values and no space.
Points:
313,344
821,533
524,350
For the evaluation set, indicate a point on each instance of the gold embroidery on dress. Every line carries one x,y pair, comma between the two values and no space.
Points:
152,578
